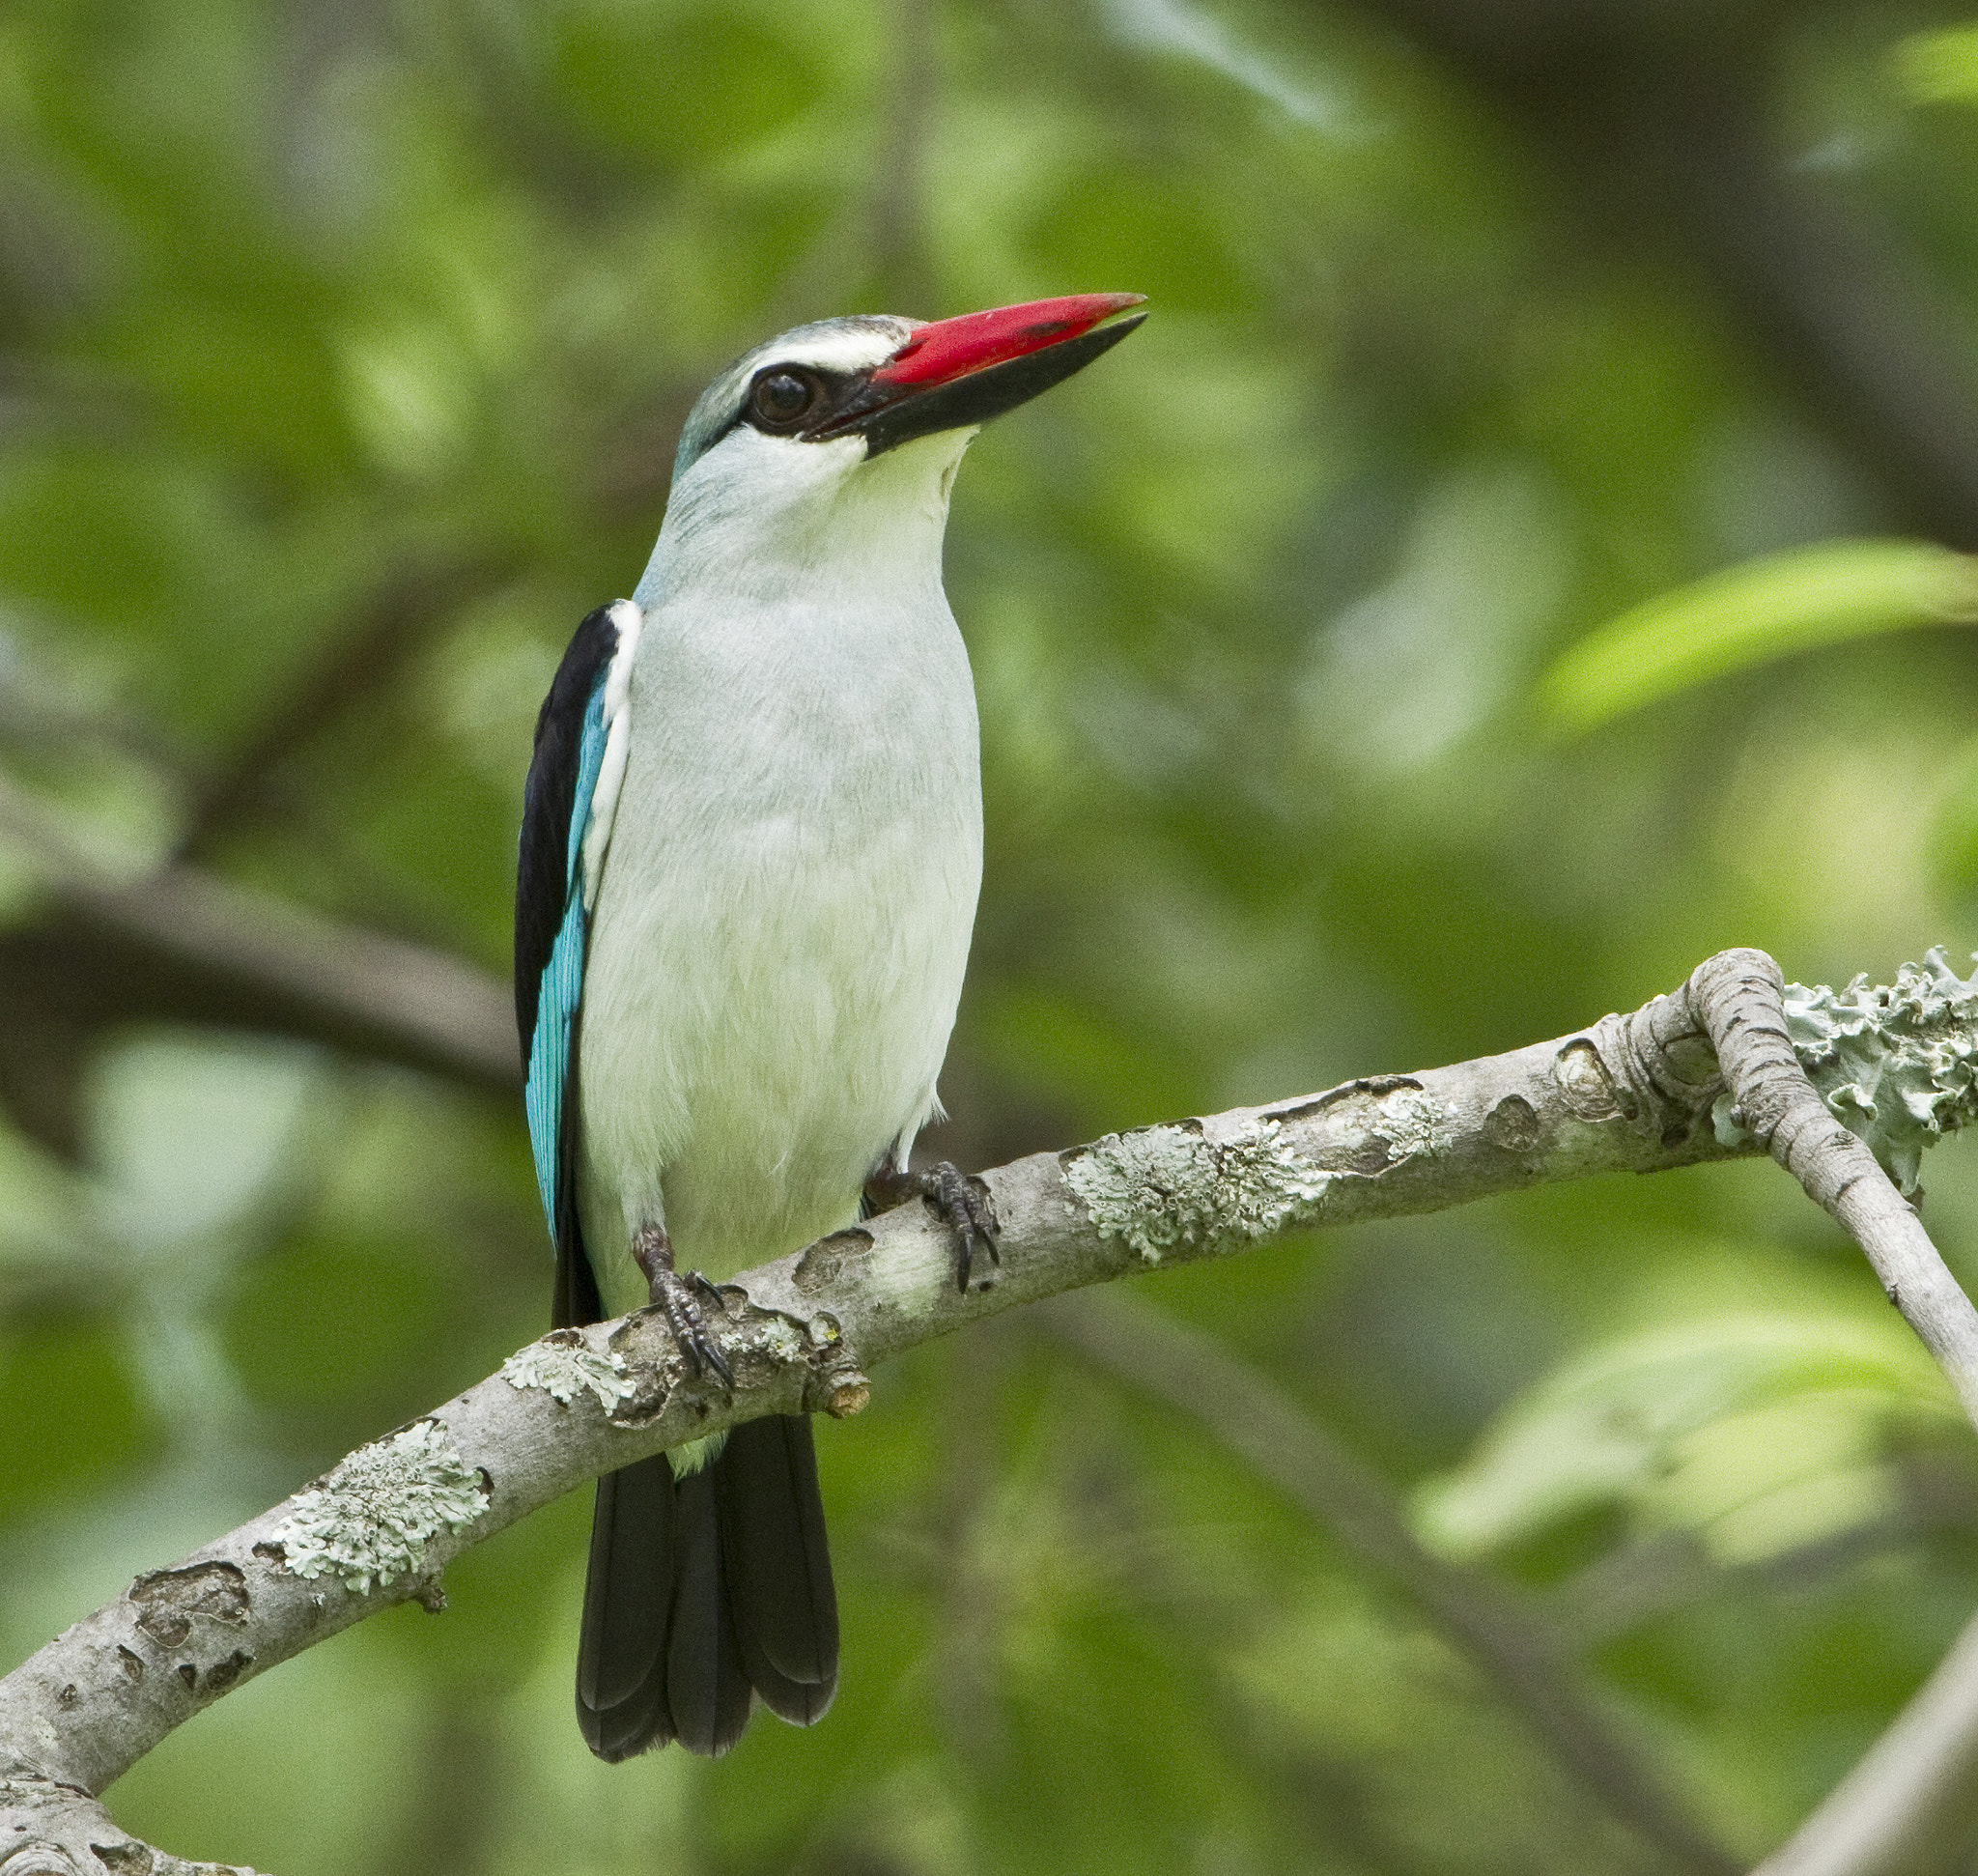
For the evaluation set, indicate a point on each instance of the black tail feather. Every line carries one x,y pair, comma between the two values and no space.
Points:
778,1562
621,1660
705,1684
704,1588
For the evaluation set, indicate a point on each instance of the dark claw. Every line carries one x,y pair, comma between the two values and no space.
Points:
964,1205
678,1297
711,1357
712,1292
965,1208
683,1318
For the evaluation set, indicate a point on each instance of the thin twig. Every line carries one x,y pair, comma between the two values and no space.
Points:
1907,1805
1921,1772
1507,1640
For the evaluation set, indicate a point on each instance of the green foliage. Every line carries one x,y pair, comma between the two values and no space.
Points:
80,1422
1750,614
1759,1432
342,355
1938,68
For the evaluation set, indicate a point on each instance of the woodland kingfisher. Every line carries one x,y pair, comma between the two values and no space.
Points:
751,849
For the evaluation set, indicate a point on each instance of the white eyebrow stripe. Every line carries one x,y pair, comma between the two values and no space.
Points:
844,349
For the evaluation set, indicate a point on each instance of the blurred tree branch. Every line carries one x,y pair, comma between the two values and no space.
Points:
1630,1093
182,944
897,243
1908,1805
1656,118
1510,1643
390,628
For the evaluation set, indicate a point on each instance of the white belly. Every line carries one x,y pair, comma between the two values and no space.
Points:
778,939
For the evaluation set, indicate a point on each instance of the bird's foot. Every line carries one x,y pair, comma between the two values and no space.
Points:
964,1205
680,1298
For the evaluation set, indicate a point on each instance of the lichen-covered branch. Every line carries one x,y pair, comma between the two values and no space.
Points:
1738,996
1897,1062
1632,1094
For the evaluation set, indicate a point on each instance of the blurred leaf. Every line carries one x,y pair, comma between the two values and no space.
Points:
1197,33
1939,66
1440,1778
691,87
322,1320
1954,821
1754,614
189,1134
1757,1431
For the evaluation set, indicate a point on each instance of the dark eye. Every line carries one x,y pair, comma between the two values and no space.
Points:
782,398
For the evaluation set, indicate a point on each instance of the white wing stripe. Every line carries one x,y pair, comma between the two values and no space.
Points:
617,721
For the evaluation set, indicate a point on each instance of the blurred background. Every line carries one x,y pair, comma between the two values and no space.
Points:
343,346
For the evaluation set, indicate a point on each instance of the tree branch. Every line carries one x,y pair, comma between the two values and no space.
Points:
1738,996
57,1830
1631,1093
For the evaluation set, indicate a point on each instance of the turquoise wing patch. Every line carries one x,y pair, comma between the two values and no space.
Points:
561,989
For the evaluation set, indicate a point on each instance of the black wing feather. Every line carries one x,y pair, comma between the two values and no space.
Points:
548,806
542,895
574,1300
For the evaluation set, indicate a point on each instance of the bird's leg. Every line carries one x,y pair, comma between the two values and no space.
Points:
652,1252
963,1204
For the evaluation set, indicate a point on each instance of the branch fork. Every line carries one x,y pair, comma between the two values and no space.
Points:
1711,1071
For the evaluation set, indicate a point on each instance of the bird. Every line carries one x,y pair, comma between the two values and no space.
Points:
751,850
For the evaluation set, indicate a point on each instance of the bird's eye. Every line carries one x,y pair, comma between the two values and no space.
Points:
782,398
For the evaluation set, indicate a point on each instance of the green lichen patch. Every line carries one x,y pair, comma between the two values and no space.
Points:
1165,1187
1896,1064
1411,1123
369,1521
563,1365
783,1341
